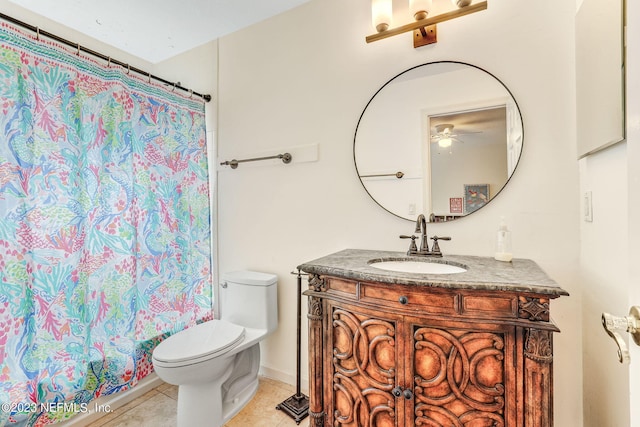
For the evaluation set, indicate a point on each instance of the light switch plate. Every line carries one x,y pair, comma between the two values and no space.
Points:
587,207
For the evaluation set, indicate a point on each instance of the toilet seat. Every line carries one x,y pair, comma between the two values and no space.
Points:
201,342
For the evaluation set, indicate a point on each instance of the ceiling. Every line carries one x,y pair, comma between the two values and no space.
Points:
155,30
483,126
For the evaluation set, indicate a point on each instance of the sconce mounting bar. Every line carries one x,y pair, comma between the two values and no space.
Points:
447,16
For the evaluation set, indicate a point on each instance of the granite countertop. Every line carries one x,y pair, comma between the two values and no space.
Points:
483,273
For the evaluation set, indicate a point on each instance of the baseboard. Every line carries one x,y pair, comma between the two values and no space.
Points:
284,377
105,404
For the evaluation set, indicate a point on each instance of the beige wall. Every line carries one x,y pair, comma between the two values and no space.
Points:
633,160
603,267
608,259
304,78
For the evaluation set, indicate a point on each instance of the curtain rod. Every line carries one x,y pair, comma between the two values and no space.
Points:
59,39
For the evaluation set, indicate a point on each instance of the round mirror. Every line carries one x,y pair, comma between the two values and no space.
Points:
441,139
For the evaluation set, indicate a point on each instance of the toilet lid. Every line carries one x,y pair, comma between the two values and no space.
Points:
210,338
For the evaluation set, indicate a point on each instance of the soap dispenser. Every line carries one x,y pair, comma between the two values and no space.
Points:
503,242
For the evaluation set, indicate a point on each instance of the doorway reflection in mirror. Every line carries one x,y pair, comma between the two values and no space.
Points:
444,124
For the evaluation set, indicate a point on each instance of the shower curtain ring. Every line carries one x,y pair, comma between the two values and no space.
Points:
37,33
109,63
149,77
190,93
78,52
128,68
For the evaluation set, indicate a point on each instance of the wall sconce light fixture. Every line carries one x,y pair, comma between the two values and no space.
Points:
424,27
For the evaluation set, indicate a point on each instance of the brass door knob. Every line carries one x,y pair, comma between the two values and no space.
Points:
630,323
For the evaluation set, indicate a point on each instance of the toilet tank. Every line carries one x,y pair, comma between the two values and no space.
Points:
250,299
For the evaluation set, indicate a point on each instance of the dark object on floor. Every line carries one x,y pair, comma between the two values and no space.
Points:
297,406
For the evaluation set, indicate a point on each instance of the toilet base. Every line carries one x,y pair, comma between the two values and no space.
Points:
212,404
231,409
201,404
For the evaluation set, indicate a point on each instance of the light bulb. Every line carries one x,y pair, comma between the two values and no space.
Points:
420,8
461,3
381,11
444,142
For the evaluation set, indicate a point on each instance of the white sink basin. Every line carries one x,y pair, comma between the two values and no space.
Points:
420,267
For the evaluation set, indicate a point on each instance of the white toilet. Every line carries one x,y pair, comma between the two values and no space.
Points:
215,364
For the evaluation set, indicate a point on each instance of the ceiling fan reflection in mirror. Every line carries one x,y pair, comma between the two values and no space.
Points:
444,135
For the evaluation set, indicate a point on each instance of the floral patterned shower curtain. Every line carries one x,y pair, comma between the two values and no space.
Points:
104,227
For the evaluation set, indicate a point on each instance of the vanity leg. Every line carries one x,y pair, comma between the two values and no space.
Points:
316,409
538,378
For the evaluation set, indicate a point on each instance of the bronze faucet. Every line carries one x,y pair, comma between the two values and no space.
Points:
421,227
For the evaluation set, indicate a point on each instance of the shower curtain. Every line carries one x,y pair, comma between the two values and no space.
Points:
104,226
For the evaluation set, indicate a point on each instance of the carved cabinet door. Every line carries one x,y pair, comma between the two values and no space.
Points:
362,372
461,374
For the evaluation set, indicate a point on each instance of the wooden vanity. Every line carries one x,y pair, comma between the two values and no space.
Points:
470,349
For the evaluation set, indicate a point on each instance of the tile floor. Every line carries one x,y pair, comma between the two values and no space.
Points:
157,408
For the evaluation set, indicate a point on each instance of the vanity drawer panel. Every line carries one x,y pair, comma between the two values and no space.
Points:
409,298
490,305
342,287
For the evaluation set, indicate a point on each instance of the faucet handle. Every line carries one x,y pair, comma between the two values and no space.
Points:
435,250
413,249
